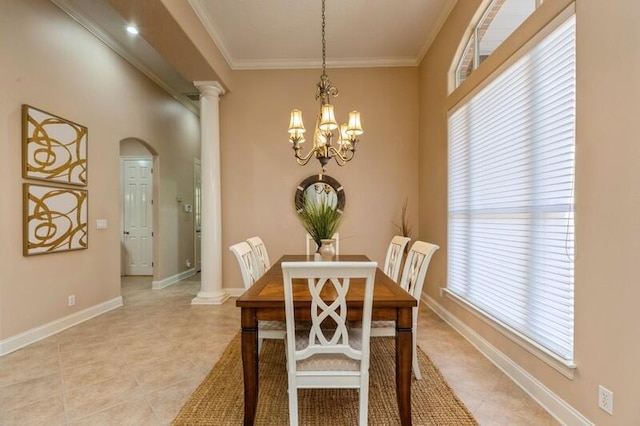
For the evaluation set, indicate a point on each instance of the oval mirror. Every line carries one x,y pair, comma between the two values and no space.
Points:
320,188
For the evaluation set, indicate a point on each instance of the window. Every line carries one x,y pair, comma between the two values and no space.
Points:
511,207
497,22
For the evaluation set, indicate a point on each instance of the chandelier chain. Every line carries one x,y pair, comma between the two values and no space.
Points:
324,88
324,44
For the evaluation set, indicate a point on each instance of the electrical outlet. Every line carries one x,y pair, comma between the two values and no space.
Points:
605,399
188,263
71,300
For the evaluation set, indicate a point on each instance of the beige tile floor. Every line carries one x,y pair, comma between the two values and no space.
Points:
137,365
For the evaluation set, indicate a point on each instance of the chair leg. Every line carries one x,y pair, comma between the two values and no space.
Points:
414,361
364,400
293,404
416,367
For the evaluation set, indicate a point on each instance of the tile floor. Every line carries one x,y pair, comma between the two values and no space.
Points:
136,365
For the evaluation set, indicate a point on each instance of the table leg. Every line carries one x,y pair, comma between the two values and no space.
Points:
250,363
404,343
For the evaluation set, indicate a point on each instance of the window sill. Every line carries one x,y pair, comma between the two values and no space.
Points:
566,368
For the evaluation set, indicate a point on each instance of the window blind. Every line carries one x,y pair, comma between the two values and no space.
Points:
511,207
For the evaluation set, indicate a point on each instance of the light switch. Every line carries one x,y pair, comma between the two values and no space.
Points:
101,224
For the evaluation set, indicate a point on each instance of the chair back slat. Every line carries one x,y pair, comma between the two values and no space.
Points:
260,253
329,332
395,253
247,262
329,319
415,267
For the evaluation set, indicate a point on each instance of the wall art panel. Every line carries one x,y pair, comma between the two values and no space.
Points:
53,149
55,219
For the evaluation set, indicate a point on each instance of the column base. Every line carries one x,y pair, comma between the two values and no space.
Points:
210,298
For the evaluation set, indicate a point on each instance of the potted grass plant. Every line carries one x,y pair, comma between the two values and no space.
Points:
321,220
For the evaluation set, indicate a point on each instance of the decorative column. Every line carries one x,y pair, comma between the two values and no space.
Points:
211,292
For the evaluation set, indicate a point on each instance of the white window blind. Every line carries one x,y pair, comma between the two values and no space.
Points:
511,174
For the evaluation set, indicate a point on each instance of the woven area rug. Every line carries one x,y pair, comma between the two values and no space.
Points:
219,398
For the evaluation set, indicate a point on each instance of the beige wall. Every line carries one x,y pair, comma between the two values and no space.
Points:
52,63
260,175
134,148
607,205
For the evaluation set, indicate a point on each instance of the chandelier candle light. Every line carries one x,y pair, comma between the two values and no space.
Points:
326,129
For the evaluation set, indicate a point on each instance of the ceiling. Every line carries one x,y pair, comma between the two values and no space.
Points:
262,34
271,34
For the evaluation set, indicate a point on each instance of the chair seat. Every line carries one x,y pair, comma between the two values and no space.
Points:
272,325
328,362
383,324
379,328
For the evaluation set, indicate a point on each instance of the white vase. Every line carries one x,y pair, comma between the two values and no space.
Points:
328,249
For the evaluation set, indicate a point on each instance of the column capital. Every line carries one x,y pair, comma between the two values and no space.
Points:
209,88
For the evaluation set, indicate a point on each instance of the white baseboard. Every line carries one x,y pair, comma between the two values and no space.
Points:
555,406
38,333
158,285
235,292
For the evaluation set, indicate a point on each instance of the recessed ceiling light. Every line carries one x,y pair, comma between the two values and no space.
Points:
132,30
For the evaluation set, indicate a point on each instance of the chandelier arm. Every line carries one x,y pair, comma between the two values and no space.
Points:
303,160
340,159
350,154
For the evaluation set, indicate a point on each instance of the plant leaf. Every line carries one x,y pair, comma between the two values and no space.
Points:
320,219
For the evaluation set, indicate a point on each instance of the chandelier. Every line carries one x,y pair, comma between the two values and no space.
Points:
330,140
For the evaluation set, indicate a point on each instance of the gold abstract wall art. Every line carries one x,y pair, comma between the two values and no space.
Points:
55,219
53,149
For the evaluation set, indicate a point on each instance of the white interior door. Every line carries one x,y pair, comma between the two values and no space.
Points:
197,212
138,216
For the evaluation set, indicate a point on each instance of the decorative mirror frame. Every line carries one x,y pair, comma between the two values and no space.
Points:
319,179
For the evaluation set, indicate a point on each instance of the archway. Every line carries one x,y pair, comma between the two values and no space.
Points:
139,187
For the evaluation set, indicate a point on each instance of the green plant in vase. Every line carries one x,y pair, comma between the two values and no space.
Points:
320,219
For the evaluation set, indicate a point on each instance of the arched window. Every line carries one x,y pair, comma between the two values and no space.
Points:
510,195
496,23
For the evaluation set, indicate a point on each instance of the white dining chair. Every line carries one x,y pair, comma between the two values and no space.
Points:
412,280
395,253
250,274
311,245
329,354
260,253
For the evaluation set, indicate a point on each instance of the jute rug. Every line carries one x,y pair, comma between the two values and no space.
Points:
219,398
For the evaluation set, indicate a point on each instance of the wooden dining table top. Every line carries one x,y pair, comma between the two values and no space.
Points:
268,291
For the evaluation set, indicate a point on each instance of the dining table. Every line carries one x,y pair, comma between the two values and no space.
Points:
264,301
